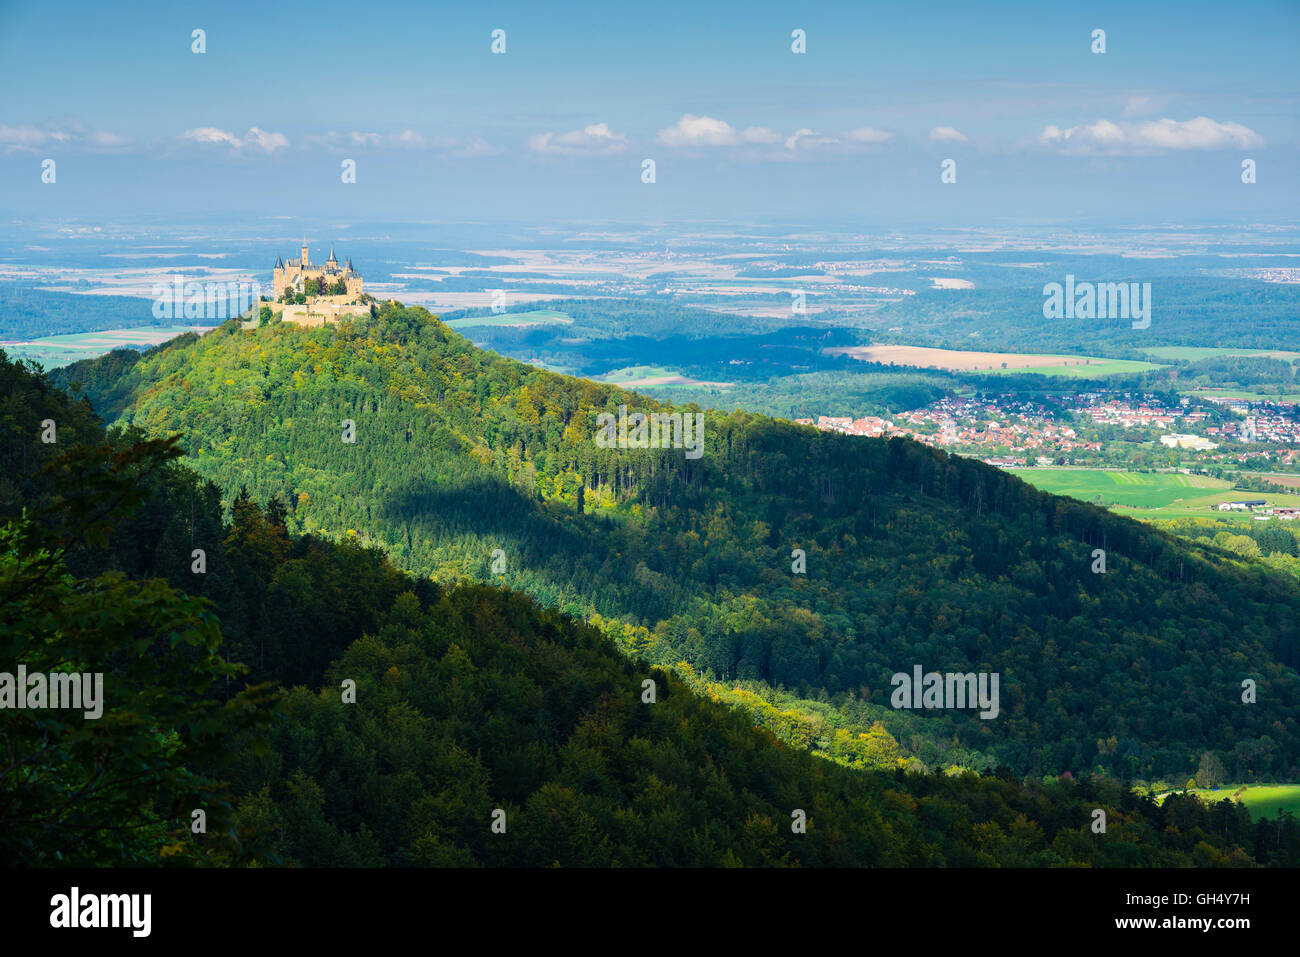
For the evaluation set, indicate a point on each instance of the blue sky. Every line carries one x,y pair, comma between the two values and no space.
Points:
739,126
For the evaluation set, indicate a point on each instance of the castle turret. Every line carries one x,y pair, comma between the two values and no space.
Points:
304,262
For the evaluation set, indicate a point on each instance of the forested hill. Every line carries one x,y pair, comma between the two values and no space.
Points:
913,557
473,705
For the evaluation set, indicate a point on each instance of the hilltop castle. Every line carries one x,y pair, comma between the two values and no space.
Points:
295,274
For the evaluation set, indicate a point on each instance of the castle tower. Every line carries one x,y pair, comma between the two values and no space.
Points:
293,276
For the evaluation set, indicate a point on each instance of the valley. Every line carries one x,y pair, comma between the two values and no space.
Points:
502,459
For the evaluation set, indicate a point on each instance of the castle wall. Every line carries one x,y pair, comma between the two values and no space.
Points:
318,313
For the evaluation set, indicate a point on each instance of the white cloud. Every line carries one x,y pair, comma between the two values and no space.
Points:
1201,133
947,134
1103,136
869,135
759,134
27,138
255,138
106,142
590,140
470,148
692,130
408,139
806,139
264,141
210,134
23,137
704,131
356,139
1103,133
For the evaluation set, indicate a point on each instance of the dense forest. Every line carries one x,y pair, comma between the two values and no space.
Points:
747,357
29,313
485,729
1271,542
651,316
1185,311
880,391
465,465
777,365
1241,372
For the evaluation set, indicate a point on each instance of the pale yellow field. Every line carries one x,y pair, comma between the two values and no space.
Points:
960,361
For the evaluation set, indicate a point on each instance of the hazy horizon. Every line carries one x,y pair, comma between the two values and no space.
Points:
739,125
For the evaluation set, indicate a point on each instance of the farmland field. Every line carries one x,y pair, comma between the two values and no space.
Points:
635,376
999,362
535,317
1193,353
1265,800
53,352
1078,368
1141,489
1261,800
1151,495
1241,394
1205,503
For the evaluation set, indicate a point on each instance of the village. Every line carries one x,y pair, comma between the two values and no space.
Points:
968,424
1010,431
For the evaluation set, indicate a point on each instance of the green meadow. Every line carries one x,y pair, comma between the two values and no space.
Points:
1138,489
1193,353
1241,394
632,374
656,377
1150,495
1265,800
53,352
1202,505
1095,367
1261,800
